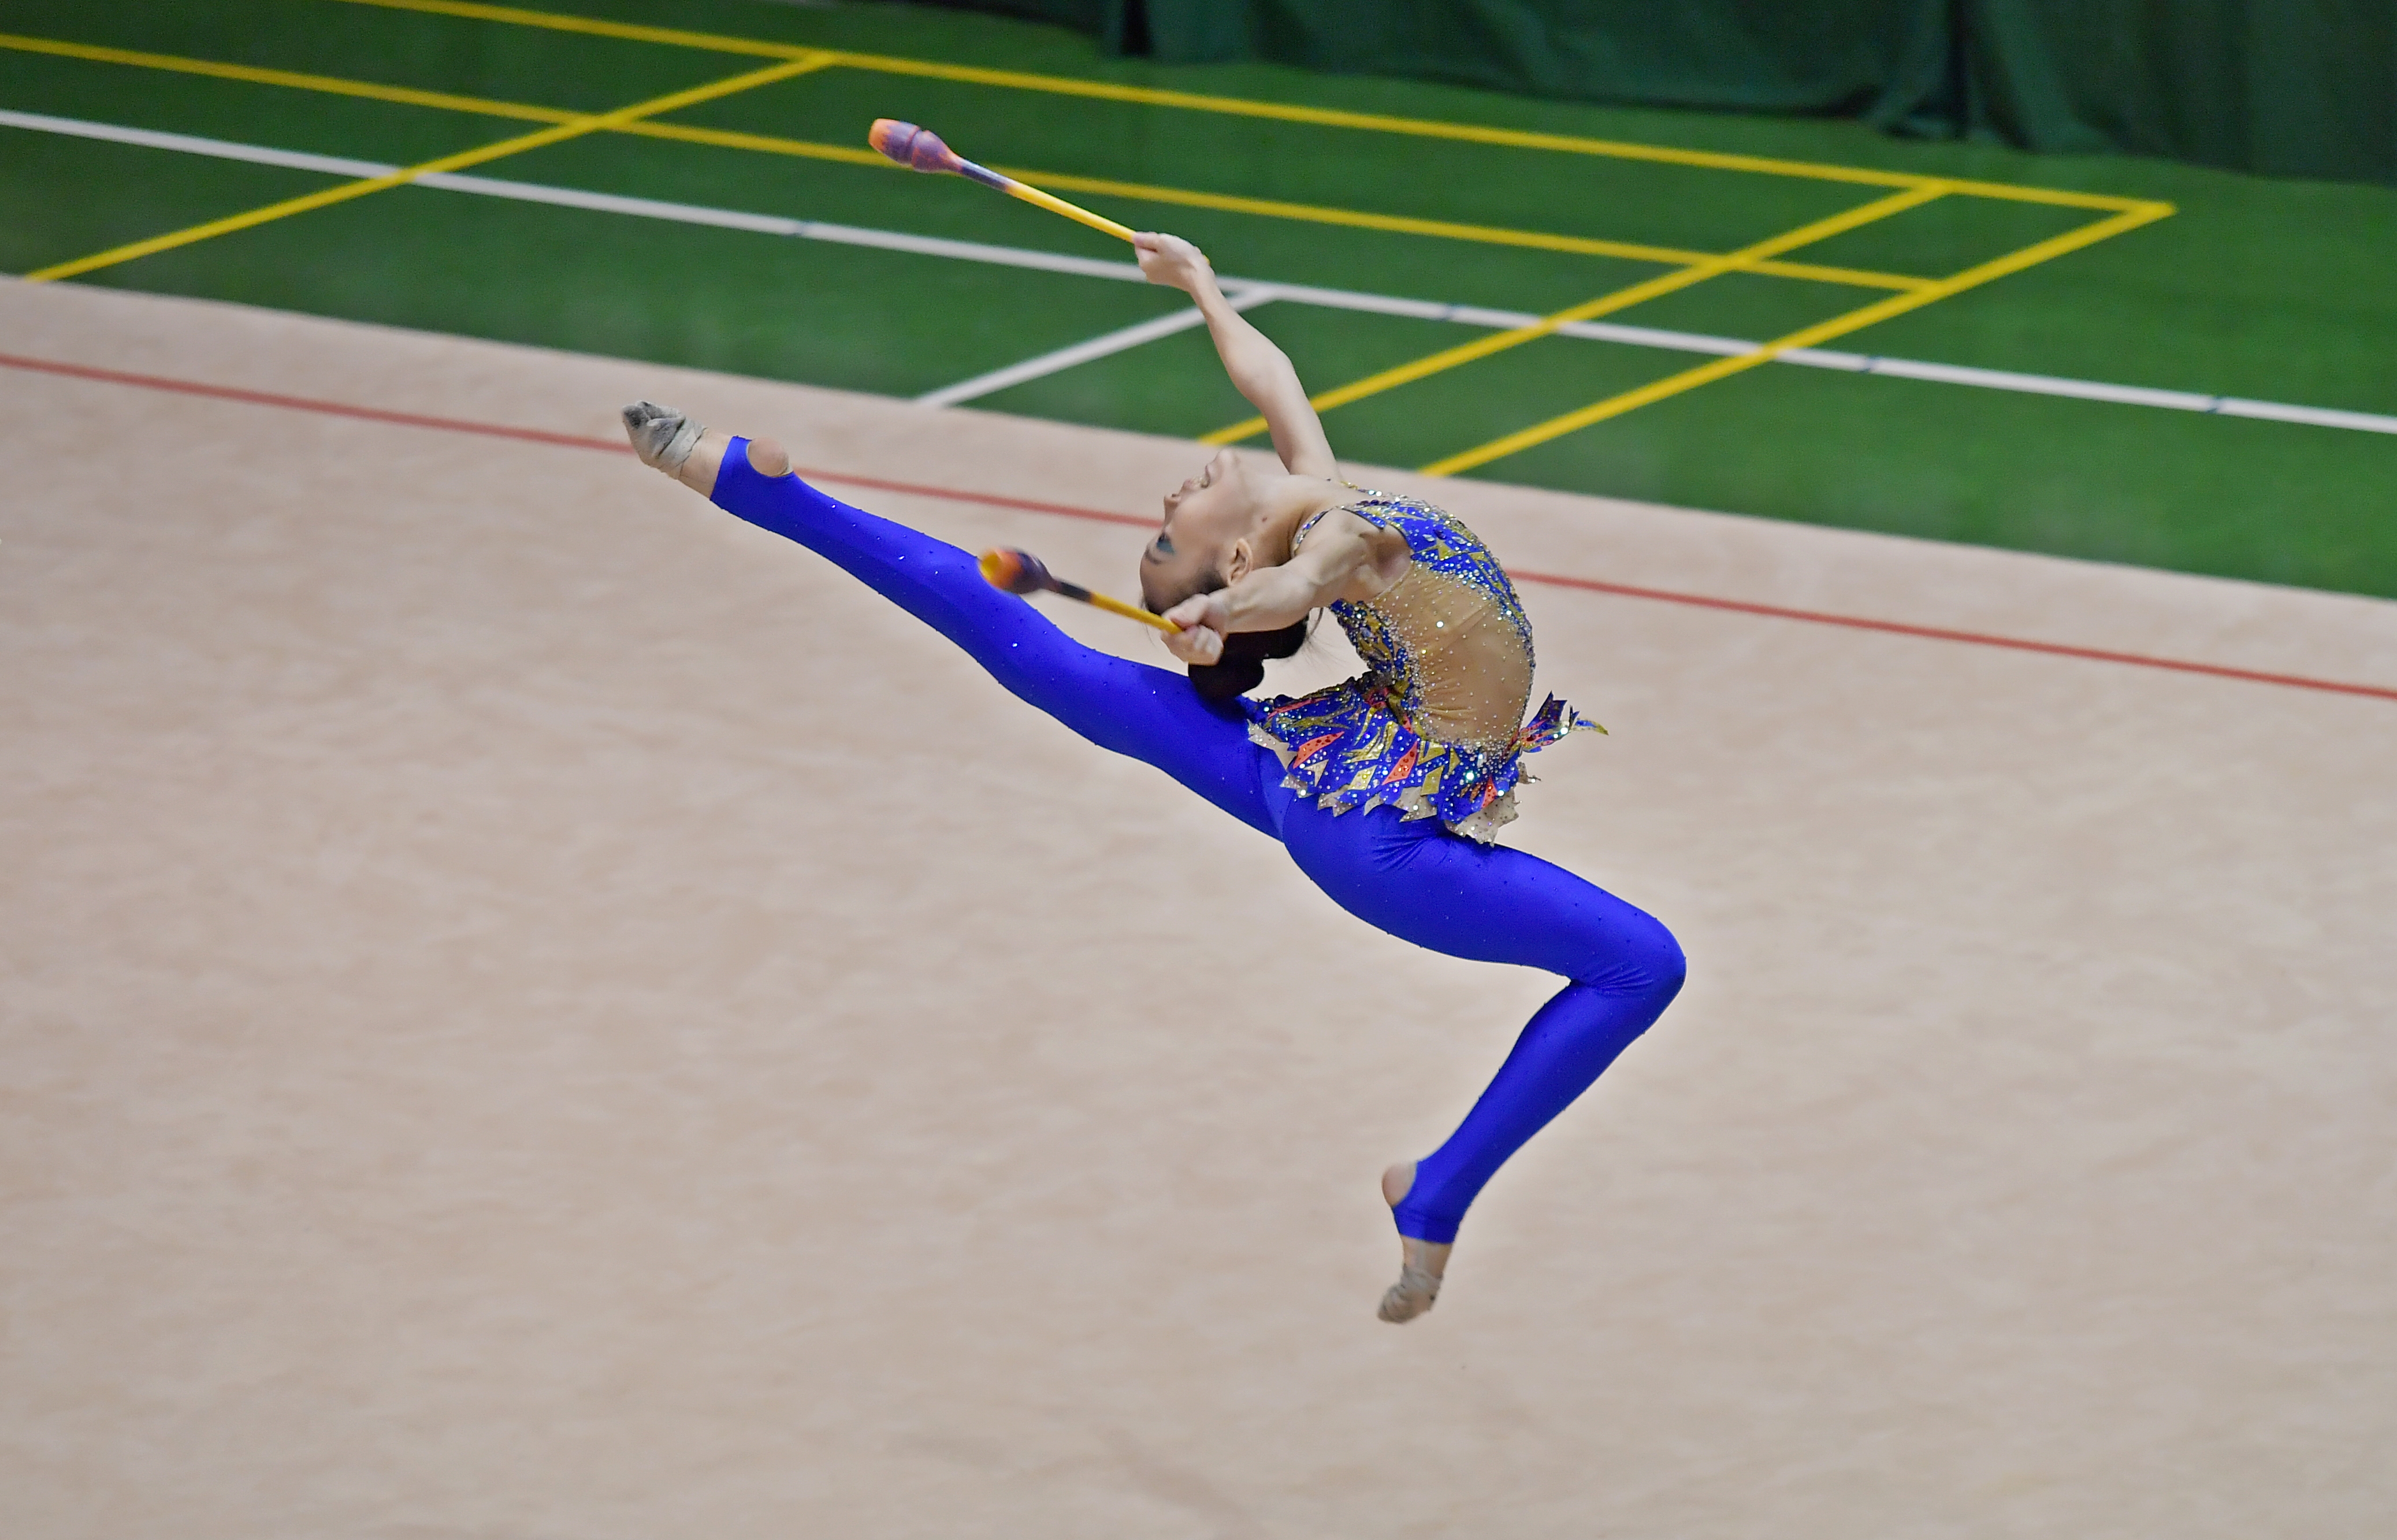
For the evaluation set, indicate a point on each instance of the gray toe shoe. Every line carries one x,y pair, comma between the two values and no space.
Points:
661,436
1411,1296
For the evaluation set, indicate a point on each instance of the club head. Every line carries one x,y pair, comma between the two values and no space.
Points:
918,148
1016,571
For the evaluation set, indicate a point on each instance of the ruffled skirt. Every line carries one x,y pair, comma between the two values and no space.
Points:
1349,746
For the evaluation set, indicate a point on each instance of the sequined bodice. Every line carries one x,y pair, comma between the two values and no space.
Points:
1449,644
1436,728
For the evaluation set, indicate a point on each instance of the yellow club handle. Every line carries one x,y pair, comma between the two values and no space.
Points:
1135,612
1059,205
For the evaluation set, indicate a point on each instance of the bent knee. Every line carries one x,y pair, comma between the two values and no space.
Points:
1644,960
1670,966
768,458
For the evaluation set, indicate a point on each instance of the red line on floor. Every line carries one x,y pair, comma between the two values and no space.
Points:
1942,634
988,500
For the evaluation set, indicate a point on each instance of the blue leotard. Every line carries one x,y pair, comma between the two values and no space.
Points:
1414,880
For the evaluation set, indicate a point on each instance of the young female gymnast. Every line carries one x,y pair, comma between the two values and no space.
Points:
1385,790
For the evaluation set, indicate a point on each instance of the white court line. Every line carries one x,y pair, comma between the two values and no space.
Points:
1334,299
1244,297
191,144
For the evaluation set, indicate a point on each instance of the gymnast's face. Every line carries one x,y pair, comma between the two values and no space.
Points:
1208,533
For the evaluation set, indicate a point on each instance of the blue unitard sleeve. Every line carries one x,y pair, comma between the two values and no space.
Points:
1414,880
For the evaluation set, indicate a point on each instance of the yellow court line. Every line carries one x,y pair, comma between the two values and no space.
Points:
772,144
252,74
731,138
1487,235
1605,304
1839,326
592,26
359,189
1248,107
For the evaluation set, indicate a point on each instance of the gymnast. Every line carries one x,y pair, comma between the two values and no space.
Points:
1386,791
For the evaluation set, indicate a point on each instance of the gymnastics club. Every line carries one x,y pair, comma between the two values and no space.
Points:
1021,572
922,149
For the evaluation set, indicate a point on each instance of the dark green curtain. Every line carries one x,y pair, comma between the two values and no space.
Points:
2291,87
1826,55
1091,16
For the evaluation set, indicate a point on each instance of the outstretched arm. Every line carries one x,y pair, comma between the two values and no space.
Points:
1259,371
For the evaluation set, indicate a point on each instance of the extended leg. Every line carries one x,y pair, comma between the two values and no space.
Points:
1150,714
1492,904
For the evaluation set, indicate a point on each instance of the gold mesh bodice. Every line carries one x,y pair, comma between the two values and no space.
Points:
1468,666
1449,641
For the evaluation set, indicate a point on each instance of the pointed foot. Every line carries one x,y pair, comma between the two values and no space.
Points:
661,437
1420,1265
1420,1262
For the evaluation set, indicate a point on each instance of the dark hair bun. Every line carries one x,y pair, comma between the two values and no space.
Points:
1242,667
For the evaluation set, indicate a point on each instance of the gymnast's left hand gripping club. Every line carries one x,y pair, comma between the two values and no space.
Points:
922,149
1021,572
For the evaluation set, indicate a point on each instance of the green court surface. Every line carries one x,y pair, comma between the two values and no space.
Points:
2112,276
